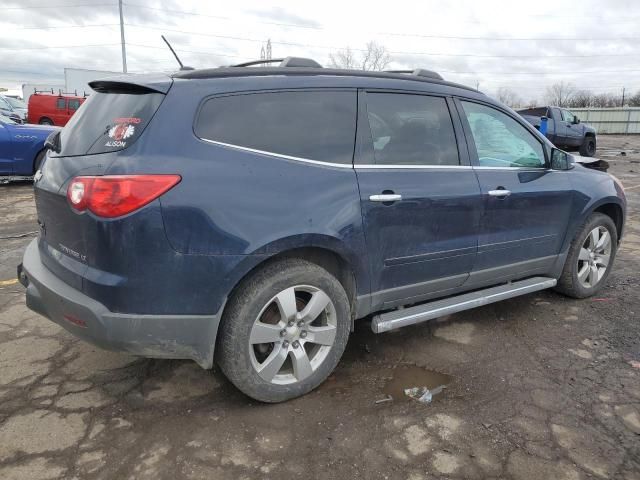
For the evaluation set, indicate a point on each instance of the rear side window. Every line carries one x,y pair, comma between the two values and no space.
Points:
74,104
314,125
107,122
411,130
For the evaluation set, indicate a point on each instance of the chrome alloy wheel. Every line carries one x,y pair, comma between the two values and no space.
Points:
293,335
594,257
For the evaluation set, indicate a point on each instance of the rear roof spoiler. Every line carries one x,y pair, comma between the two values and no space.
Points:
152,83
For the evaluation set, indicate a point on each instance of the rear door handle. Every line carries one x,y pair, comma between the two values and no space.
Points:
500,193
385,197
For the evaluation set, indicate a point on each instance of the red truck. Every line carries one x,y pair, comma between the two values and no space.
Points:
51,109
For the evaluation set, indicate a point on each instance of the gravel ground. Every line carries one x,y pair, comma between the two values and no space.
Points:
540,387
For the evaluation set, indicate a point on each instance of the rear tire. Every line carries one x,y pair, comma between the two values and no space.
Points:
301,345
45,121
588,147
585,271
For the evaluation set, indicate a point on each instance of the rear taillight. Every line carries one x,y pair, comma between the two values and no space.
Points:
116,195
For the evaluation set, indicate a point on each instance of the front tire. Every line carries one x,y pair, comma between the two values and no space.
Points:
284,331
590,258
588,147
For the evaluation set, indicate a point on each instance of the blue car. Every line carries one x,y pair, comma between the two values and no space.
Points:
250,216
21,147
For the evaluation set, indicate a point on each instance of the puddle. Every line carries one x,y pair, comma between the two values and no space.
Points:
410,376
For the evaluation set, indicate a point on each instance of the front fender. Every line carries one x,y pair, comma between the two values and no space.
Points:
592,189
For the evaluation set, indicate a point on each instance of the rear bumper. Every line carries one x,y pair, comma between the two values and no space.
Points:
160,336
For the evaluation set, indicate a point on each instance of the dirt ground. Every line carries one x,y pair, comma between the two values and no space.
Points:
542,387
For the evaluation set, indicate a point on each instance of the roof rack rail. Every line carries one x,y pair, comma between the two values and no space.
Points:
419,72
284,62
259,62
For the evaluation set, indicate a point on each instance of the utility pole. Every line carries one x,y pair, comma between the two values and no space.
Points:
124,48
477,85
265,51
622,97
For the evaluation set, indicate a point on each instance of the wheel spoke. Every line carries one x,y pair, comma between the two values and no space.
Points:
604,241
273,363
286,301
265,333
322,335
584,254
301,364
594,238
603,260
584,272
319,301
593,275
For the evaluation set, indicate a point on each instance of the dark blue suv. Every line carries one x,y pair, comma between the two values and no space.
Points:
249,215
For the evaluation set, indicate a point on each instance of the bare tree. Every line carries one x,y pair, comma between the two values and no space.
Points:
606,100
560,94
581,99
344,58
508,97
635,100
375,58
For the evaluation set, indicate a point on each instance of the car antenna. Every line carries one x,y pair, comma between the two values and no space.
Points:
182,67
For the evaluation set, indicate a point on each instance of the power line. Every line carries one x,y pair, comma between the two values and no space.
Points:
399,34
67,26
62,46
78,5
395,52
186,51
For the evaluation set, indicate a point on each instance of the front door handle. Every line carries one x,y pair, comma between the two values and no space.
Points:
385,197
501,192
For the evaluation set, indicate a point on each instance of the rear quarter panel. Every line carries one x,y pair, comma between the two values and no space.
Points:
234,209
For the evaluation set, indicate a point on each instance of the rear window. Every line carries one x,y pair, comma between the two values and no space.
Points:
315,125
107,122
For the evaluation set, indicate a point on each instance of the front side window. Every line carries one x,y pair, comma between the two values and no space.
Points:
501,141
411,130
314,125
567,116
61,104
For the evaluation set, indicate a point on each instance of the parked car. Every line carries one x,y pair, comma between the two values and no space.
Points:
563,128
249,216
51,109
22,147
14,108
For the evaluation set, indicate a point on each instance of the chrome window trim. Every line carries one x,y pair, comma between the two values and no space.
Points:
520,169
370,166
373,166
278,155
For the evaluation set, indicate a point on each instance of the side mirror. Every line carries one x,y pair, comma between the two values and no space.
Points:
576,120
53,141
561,160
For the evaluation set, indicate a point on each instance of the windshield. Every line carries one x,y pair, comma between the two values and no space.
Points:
15,102
4,119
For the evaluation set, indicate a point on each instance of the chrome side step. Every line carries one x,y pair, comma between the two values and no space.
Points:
439,308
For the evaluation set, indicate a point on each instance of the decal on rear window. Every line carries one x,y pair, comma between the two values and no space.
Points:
119,132
108,122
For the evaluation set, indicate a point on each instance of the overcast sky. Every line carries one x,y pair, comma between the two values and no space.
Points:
524,45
